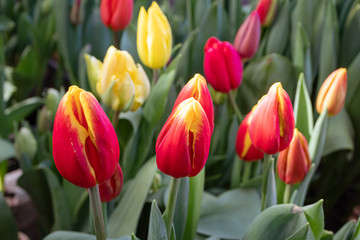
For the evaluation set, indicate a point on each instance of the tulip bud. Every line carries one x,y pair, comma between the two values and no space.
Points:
25,143
52,101
272,124
75,16
43,121
217,97
266,10
183,144
123,85
332,93
244,147
247,38
154,37
197,88
93,70
116,14
294,162
111,188
85,145
222,65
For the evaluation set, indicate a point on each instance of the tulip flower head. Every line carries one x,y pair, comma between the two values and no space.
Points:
183,144
116,14
294,162
197,88
111,188
272,125
247,38
93,70
85,145
222,65
154,37
123,85
244,147
266,10
332,93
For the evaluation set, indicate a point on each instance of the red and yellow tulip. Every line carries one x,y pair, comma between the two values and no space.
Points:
183,144
332,93
197,88
272,125
294,162
244,147
85,145
111,188
266,10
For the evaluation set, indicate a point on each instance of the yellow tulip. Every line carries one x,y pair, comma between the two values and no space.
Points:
123,85
154,37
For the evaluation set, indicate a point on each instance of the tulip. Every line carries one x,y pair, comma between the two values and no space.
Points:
93,70
247,38
272,125
123,85
154,37
116,14
332,93
197,88
222,65
294,162
266,10
183,144
25,144
111,188
85,146
244,147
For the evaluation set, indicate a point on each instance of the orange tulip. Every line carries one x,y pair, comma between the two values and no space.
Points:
294,162
85,145
332,93
183,144
272,125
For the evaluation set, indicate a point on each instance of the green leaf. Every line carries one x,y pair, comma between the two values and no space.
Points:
229,215
22,109
8,229
299,197
6,24
48,197
69,235
327,235
345,231
157,228
279,32
7,150
317,140
181,207
277,222
315,216
301,234
353,73
196,189
303,112
260,74
124,219
349,46
340,133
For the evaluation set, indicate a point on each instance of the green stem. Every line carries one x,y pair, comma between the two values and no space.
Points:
117,38
190,15
247,171
287,193
170,208
155,76
104,210
235,107
97,213
264,179
115,118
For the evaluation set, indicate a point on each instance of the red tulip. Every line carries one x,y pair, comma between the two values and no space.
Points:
332,93
247,38
294,162
85,146
266,10
197,88
183,144
272,124
244,147
111,188
222,65
116,14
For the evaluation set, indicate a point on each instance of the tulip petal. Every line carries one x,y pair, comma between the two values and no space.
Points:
122,14
141,36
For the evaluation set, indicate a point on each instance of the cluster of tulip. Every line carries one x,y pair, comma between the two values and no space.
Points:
85,145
